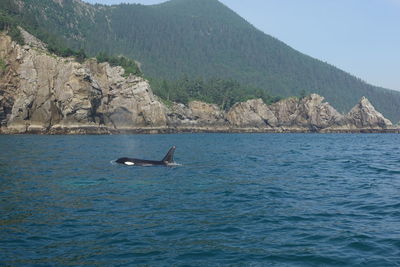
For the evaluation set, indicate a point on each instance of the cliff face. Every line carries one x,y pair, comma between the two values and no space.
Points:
310,114
252,113
364,115
42,93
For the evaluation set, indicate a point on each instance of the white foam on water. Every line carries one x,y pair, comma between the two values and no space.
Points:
174,164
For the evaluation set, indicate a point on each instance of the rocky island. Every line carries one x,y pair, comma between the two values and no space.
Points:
41,93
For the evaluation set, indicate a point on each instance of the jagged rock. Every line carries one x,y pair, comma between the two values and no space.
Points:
196,114
285,111
126,102
364,115
313,112
310,112
206,114
252,113
179,114
48,92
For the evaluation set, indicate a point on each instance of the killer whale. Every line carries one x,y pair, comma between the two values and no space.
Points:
168,160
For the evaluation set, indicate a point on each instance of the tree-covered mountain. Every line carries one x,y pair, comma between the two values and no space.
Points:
196,39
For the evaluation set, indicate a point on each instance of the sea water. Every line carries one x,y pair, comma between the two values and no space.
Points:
236,199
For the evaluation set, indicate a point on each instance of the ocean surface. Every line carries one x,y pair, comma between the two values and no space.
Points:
235,200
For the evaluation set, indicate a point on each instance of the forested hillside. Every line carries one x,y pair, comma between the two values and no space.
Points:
197,39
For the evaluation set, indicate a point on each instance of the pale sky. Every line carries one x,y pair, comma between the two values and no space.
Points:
361,37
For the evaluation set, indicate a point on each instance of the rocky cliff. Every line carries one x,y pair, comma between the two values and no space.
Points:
42,93
309,114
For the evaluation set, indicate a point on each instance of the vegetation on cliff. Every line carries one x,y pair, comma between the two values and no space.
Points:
10,24
129,65
224,93
13,15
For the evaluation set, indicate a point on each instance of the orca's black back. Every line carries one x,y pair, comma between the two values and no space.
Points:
169,158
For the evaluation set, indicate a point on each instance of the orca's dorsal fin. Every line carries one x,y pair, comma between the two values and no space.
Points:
170,155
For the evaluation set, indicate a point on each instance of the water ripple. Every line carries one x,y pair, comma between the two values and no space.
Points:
236,200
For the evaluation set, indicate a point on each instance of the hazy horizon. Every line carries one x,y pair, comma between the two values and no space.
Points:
357,37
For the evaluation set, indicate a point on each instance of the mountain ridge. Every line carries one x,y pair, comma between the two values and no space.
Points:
187,37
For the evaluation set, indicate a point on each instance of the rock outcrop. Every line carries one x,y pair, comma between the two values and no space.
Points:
309,113
196,114
252,113
364,115
42,93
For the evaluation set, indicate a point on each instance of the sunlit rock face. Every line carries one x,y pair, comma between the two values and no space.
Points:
43,93
364,115
310,112
252,113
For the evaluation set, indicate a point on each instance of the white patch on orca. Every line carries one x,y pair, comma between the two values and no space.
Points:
129,163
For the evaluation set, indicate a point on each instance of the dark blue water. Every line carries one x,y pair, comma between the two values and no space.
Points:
237,199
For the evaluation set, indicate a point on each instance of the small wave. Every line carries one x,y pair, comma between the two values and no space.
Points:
362,245
113,162
383,169
174,164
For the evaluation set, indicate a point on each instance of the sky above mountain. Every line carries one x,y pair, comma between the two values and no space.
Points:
358,36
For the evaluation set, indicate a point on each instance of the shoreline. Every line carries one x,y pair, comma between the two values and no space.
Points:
90,130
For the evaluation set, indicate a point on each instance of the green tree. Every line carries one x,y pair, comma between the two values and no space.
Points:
80,55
